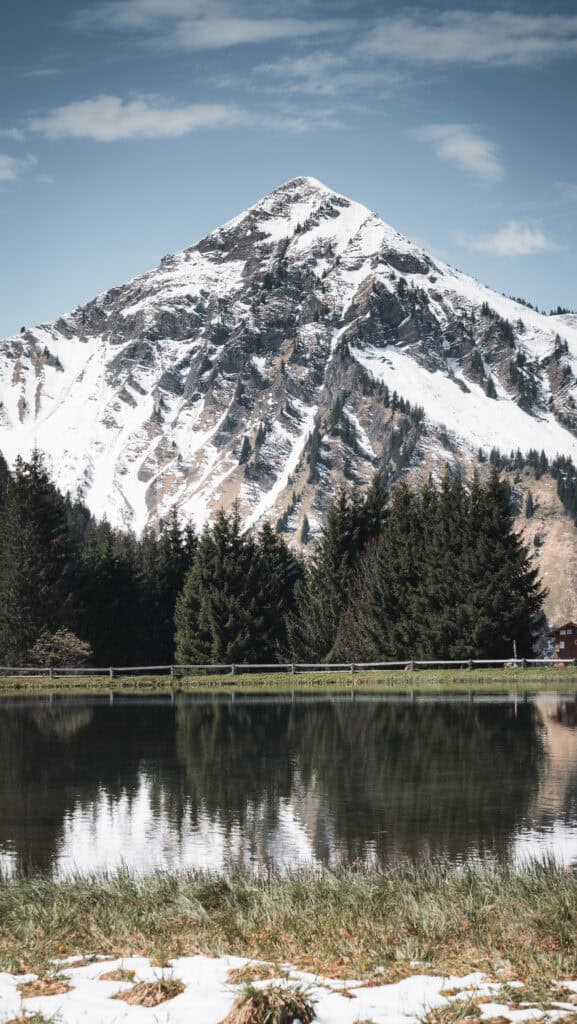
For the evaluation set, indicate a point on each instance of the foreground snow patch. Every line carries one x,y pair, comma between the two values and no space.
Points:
208,995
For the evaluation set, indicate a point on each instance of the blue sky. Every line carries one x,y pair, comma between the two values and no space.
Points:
129,128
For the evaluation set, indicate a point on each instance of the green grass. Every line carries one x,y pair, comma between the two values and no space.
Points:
377,925
531,680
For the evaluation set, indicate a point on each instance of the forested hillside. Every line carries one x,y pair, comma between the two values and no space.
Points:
439,573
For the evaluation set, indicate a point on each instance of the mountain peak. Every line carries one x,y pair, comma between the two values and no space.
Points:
280,356
288,205
304,185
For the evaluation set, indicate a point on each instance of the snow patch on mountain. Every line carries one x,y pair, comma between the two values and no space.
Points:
202,382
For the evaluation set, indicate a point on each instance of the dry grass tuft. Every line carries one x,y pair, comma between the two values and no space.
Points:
272,1005
537,991
459,1010
120,974
31,1018
255,972
151,993
44,987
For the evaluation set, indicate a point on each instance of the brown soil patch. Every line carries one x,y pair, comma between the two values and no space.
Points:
151,993
44,987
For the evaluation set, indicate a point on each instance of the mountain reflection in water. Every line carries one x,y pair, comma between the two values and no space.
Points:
218,783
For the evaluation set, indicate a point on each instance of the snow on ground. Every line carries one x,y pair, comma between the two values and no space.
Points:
480,421
208,995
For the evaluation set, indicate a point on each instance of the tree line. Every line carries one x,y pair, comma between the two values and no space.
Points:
439,573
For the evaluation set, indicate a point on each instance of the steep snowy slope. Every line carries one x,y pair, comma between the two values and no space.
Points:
287,351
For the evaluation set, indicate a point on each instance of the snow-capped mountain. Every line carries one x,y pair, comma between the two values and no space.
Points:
302,344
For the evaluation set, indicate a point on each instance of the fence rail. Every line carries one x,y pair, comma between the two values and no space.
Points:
174,671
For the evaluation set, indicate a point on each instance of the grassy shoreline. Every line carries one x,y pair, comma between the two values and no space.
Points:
379,925
530,680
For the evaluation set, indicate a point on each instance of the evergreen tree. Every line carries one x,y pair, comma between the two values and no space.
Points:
529,505
34,569
448,579
108,597
379,623
280,571
166,559
506,597
245,450
440,604
322,597
219,618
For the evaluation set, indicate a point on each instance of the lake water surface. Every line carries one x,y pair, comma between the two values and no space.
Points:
191,781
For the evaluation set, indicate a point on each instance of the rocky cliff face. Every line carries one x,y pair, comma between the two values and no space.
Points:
303,344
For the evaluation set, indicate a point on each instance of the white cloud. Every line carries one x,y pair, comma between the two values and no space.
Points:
144,14
12,167
465,146
12,133
42,72
567,190
202,24
473,37
327,74
516,238
111,119
217,33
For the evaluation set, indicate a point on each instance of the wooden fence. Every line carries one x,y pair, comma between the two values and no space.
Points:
174,671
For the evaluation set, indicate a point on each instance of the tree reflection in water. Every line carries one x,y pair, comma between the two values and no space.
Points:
384,778
377,779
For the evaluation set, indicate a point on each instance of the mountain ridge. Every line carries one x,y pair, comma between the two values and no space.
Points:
302,344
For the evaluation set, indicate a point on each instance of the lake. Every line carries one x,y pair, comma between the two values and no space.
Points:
283,781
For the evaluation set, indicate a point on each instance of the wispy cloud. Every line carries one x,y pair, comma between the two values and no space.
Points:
111,119
515,238
145,14
567,190
327,74
15,134
473,37
12,167
204,25
42,72
464,146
